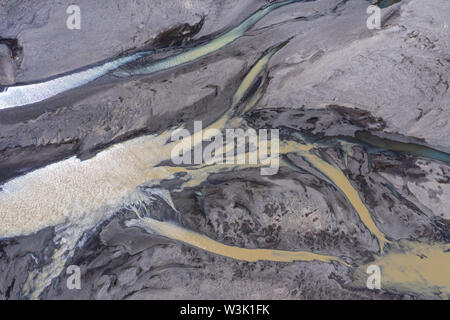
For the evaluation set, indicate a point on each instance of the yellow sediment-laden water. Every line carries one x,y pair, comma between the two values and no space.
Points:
20,95
342,182
412,267
210,47
76,195
70,190
200,241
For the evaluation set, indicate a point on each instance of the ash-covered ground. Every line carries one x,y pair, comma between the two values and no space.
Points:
86,177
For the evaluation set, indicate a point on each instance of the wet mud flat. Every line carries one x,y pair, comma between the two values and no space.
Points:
87,174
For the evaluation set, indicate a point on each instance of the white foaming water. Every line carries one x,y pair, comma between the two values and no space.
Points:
16,96
21,95
74,190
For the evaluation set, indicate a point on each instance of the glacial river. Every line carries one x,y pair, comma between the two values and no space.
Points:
74,196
